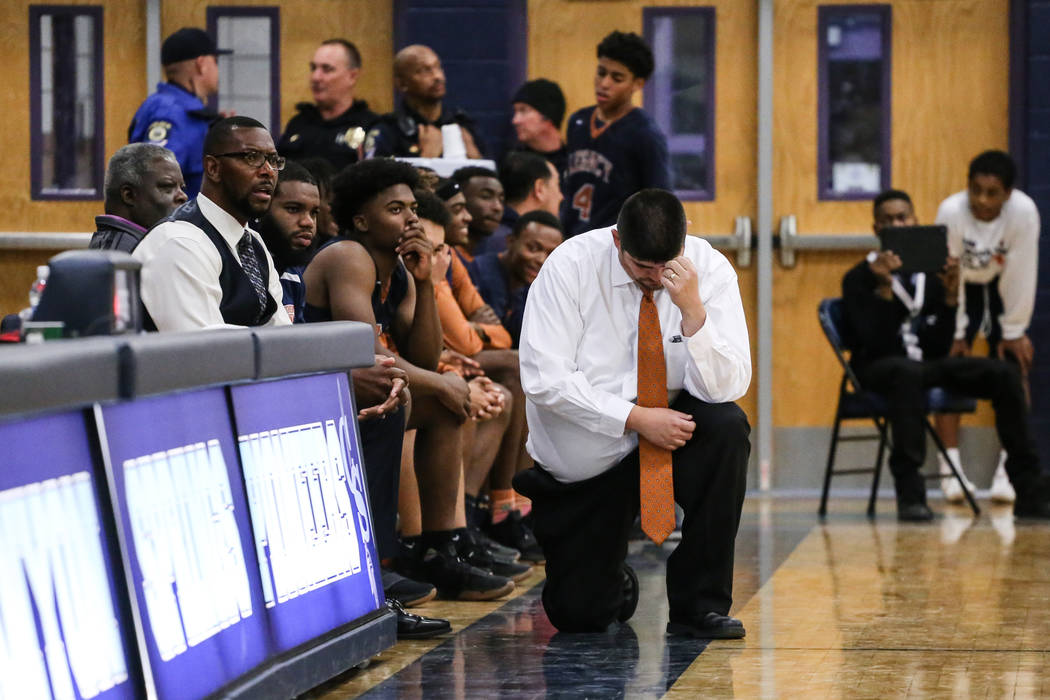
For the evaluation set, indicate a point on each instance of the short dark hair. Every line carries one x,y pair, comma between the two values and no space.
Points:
539,216
293,172
888,196
519,171
629,49
352,53
652,225
221,131
997,163
322,172
463,175
431,208
359,183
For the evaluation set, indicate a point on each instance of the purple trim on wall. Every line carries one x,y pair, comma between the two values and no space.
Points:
649,17
1019,89
274,14
826,13
36,138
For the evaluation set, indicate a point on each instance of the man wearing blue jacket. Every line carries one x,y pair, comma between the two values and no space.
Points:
175,116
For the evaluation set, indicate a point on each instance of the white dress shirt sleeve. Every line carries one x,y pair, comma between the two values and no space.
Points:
550,336
720,351
1017,282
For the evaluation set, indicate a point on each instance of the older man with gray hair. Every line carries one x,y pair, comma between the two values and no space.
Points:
143,185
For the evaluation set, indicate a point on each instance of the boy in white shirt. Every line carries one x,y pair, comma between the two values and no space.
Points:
994,231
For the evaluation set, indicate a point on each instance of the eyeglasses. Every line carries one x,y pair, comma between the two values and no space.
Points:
255,159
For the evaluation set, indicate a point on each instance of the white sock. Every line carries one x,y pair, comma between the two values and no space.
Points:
953,455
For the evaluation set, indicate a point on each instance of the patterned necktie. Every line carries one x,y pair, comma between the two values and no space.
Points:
657,484
250,263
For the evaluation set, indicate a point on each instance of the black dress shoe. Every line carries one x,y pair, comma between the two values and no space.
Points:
708,626
914,513
411,626
630,594
1028,507
1033,499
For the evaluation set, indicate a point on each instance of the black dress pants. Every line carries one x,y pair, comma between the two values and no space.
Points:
583,527
904,384
381,440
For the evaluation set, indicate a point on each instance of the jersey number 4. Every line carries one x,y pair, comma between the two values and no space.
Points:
582,200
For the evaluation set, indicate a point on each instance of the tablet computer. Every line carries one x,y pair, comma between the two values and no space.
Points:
920,248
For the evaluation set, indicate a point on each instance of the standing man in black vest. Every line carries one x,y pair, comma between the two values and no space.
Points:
202,267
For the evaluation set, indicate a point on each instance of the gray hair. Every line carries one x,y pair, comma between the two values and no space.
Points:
130,164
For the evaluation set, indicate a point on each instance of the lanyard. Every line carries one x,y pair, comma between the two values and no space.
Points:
912,304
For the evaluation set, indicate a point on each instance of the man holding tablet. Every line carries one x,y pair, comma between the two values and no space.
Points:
900,328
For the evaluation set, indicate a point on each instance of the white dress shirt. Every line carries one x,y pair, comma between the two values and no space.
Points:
181,268
579,350
1007,246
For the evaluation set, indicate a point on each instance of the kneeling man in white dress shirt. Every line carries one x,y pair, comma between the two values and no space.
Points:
633,348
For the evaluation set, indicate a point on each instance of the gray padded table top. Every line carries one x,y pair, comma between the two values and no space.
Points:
59,374
313,347
156,363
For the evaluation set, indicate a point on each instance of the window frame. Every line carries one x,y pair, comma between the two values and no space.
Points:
825,15
273,13
650,99
36,136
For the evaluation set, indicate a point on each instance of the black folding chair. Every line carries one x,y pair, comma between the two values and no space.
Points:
854,402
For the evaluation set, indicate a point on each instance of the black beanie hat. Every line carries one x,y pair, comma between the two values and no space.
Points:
545,97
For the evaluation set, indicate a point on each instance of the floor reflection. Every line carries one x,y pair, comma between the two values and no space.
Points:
957,608
844,608
514,652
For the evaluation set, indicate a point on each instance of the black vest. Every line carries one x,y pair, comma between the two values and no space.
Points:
240,304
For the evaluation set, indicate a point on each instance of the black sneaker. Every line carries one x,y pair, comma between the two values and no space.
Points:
405,591
512,532
475,554
457,580
507,555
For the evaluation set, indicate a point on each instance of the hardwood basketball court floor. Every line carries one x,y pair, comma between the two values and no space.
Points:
844,608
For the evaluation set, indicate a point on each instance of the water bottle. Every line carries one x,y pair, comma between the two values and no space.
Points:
35,291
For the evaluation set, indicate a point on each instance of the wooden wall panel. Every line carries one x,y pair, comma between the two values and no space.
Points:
564,34
304,25
124,86
949,101
123,29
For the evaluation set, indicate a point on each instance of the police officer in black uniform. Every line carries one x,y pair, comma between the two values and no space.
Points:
334,125
414,129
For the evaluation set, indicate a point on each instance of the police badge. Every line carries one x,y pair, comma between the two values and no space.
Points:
158,133
354,137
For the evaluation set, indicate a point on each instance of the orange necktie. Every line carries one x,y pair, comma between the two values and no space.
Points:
657,484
